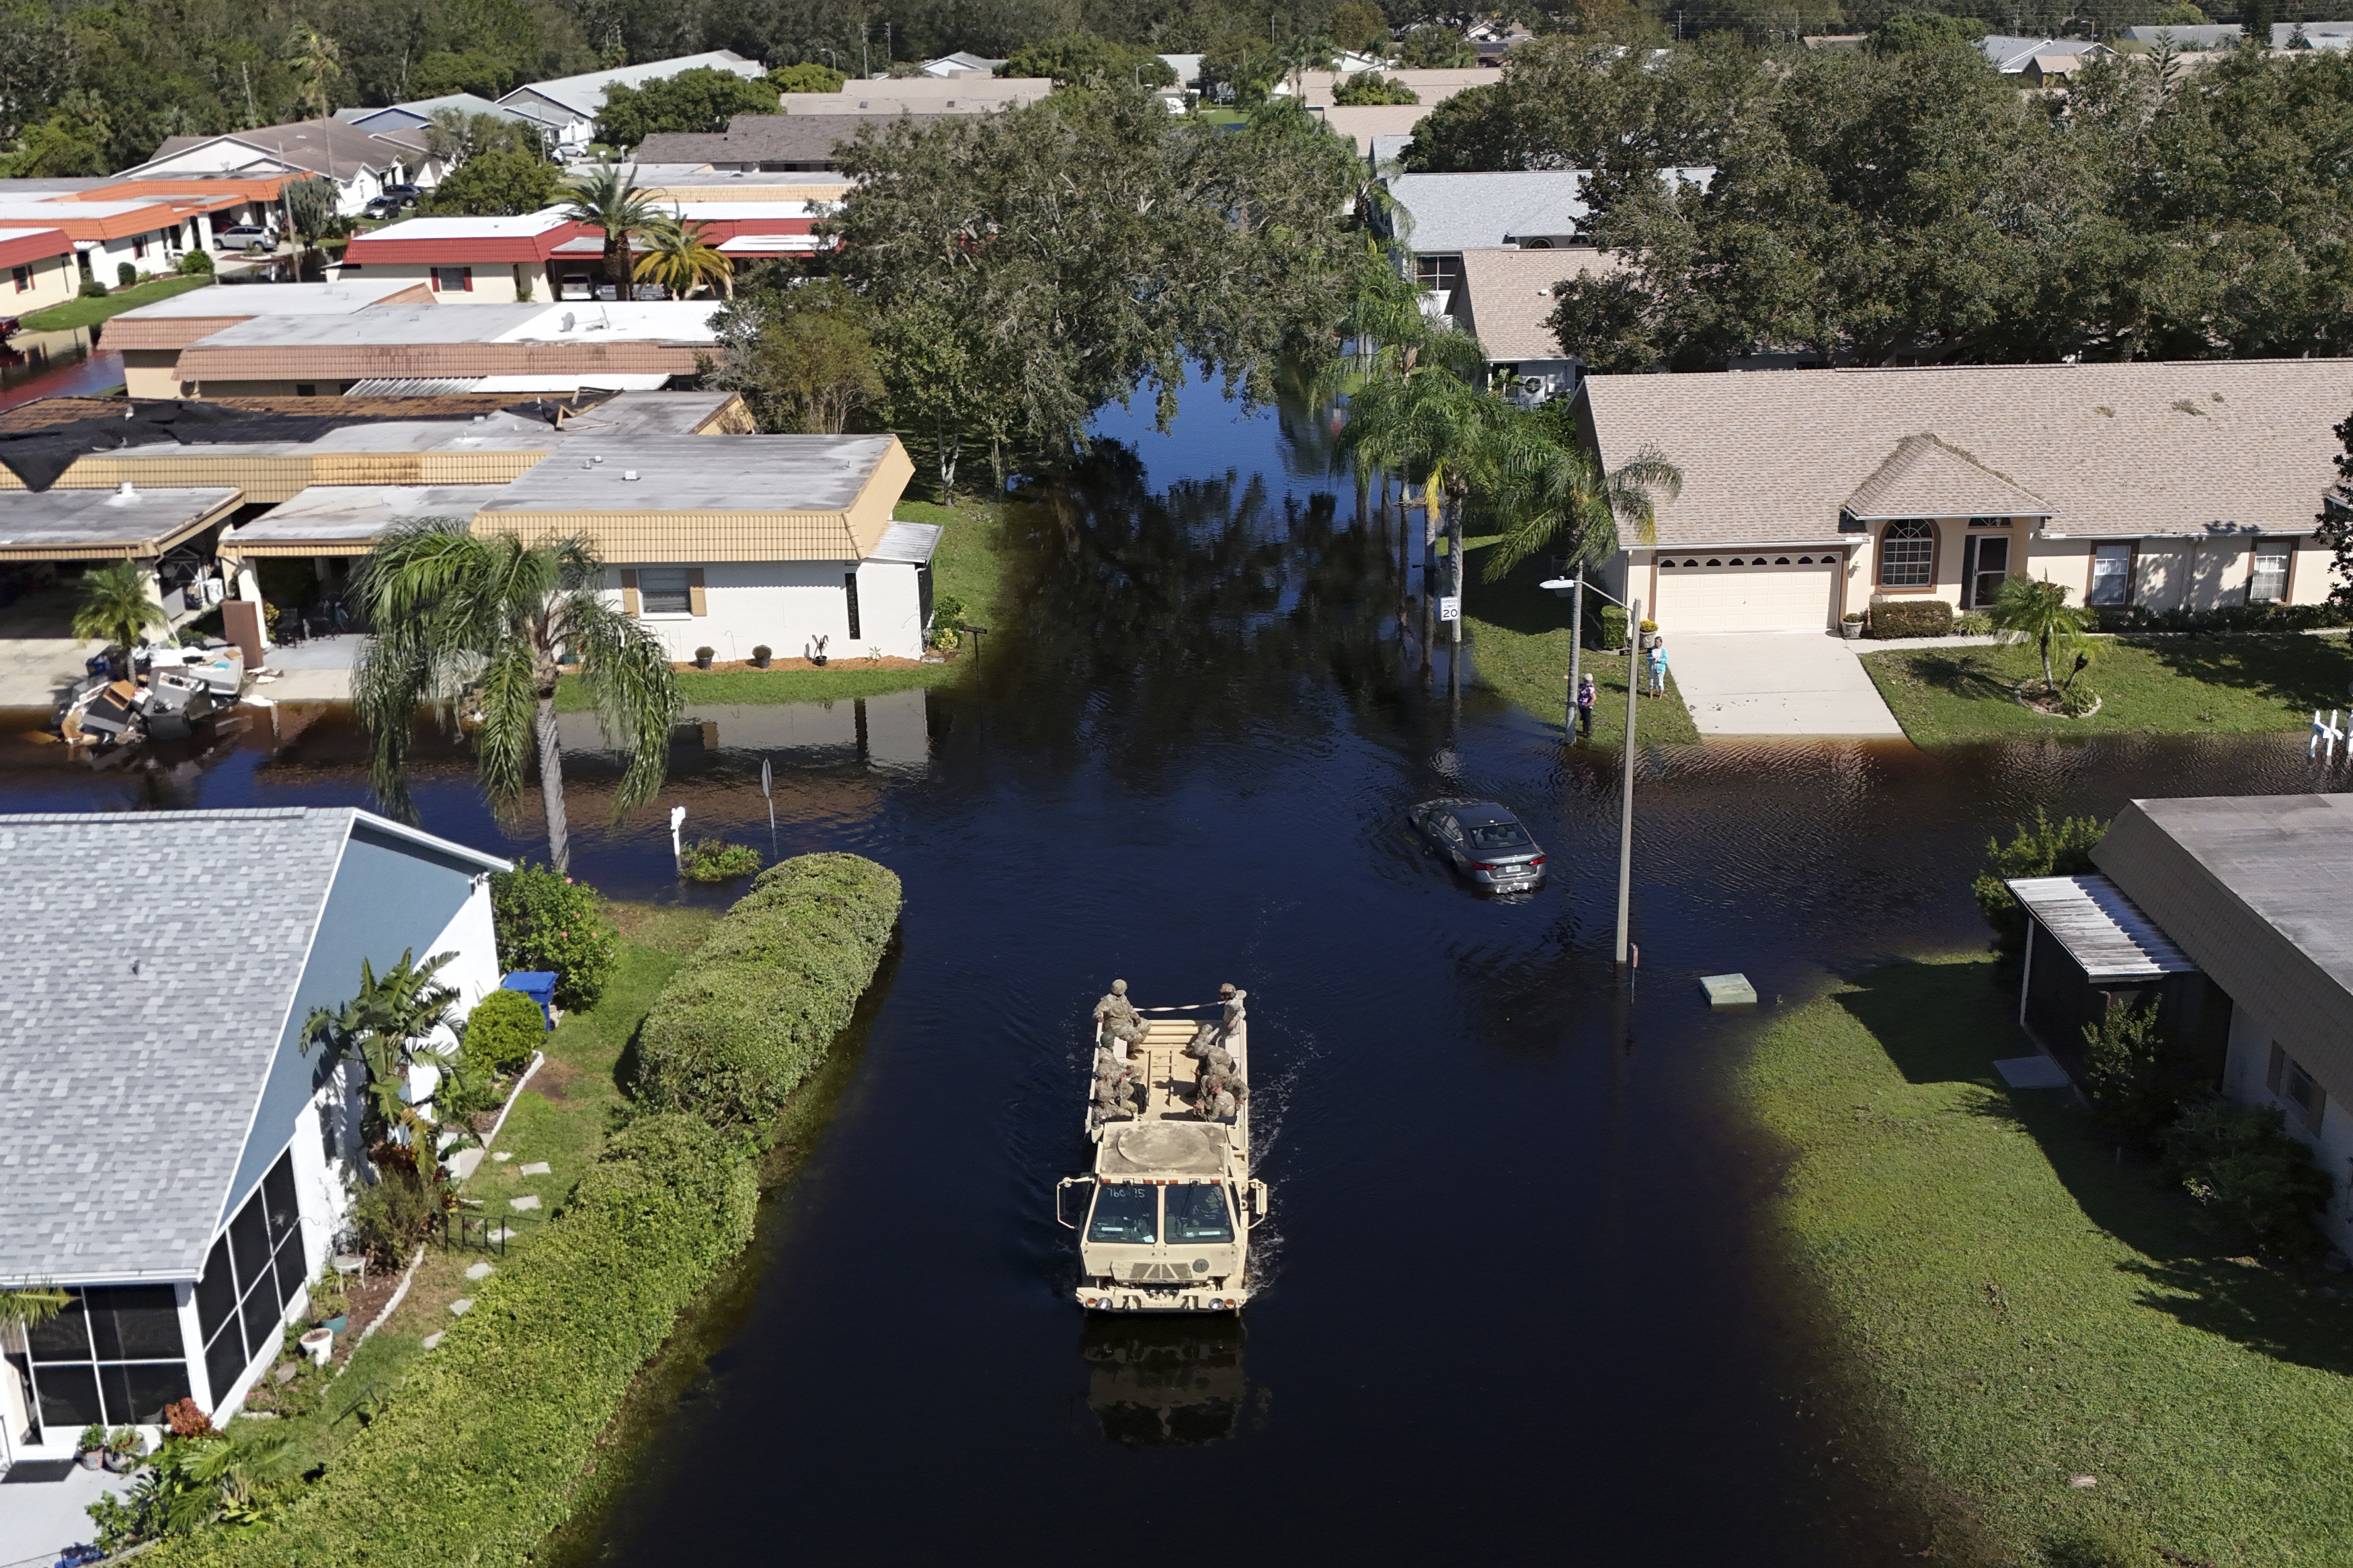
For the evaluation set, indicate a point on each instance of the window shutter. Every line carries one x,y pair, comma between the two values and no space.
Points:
466,281
2271,1073
630,591
697,602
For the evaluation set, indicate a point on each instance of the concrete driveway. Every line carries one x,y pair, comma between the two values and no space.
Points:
1777,683
40,659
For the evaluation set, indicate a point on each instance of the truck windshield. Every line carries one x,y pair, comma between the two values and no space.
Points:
1126,1211
1198,1214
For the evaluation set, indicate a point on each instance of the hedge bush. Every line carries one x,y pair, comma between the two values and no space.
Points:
480,1450
2228,618
743,1022
502,1032
545,920
1922,617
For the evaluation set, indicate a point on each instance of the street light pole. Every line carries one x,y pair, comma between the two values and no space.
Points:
1576,633
1626,797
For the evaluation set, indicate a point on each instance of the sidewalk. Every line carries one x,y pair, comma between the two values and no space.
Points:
1779,683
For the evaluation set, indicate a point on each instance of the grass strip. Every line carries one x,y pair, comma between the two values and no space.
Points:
1529,668
2190,685
2030,1310
78,312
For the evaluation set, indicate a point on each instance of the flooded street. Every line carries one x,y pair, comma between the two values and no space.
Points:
1519,1298
55,365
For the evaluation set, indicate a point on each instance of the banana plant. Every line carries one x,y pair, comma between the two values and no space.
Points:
385,1029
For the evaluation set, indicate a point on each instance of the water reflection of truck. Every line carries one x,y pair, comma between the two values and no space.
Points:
1165,1380
1165,1217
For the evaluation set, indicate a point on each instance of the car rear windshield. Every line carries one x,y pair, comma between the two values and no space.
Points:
1126,1211
1198,1214
1499,836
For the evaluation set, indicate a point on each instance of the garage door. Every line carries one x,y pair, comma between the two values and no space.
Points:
1722,593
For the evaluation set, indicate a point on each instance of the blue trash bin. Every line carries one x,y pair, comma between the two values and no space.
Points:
539,984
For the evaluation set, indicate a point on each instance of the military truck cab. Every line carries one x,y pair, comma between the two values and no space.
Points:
1165,1217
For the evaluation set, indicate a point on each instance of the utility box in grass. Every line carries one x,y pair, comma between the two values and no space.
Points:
1728,990
539,984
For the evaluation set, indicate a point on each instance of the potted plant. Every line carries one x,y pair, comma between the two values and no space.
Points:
761,654
123,1449
1850,625
90,1447
702,657
318,1344
1649,634
330,1307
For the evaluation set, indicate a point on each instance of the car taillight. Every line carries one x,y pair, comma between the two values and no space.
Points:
1534,863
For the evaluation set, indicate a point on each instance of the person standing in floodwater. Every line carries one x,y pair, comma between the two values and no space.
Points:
1584,709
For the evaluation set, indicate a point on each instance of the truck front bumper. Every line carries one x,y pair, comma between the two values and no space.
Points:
1127,1298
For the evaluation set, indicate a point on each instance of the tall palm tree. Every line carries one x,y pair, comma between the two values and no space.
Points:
2027,610
681,256
118,603
491,620
1545,489
605,198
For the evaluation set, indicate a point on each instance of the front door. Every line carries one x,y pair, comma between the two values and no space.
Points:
1992,565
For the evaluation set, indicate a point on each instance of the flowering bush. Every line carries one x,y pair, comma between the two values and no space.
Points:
546,920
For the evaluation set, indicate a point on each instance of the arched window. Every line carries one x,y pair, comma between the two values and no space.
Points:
1780,560
1908,555
1666,565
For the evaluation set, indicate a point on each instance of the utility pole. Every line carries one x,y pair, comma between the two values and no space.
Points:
1626,800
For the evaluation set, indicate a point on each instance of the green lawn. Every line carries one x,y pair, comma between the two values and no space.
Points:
87,313
561,1117
1520,646
2155,686
966,565
2027,1311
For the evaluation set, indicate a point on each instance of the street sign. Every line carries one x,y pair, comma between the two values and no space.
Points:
1450,607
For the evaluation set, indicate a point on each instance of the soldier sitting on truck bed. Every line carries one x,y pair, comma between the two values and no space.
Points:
1118,1023
1220,1096
1114,1092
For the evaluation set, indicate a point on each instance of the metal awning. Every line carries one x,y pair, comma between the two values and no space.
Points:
2101,929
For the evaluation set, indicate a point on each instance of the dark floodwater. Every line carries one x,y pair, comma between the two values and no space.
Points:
54,365
1520,1299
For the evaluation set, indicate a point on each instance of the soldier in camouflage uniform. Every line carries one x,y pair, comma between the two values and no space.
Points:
1221,1095
1233,999
1115,1093
1118,1026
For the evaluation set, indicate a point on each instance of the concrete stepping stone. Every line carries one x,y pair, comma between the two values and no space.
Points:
526,1203
434,1338
537,1168
504,1155
2037,1071
462,1306
1728,990
480,1271
503,1234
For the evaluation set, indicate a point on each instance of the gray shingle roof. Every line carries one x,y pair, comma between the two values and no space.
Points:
125,1096
1926,477
2193,448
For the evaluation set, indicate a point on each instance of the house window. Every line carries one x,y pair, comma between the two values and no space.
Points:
2287,1080
306,389
23,277
664,591
114,1357
1988,523
849,591
250,1275
139,247
2268,584
1908,555
2110,575
453,279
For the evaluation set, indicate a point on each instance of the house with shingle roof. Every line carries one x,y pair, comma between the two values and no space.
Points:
170,1154
1809,493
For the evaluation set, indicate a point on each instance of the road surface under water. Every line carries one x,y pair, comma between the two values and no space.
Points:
1521,1300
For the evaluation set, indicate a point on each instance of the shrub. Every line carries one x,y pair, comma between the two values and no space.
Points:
1613,626
485,1441
1974,623
703,656
125,275
1372,87
947,620
2045,849
743,1022
195,263
716,860
2137,1074
392,1214
761,654
2225,619
92,288
186,1418
546,920
2252,1181
502,1032
1911,618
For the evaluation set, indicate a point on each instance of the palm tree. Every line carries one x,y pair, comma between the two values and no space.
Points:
681,256
609,200
1305,52
1544,488
118,603
491,620
384,1026
31,1304
2026,610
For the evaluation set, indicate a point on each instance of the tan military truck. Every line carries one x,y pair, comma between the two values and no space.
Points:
1164,1220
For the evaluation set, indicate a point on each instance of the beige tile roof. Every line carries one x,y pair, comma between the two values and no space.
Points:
1511,296
1926,477
1361,122
2185,449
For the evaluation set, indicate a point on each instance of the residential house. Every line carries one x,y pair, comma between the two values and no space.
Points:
360,161
2018,56
150,338
177,1160
922,95
702,182
1369,125
416,115
961,65
567,107
146,223
1809,493
2226,35
2233,917
1506,302
41,270
1316,89
546,256
770,144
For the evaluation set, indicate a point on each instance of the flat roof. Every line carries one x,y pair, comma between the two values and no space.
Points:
409,325
522,225
96,524
652,413
911,542
271,299
345,520
750,474
2101,929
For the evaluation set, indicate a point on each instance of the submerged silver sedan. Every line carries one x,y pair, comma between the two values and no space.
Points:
1484,842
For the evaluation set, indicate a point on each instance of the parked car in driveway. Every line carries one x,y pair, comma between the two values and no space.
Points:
1483,841
236,236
